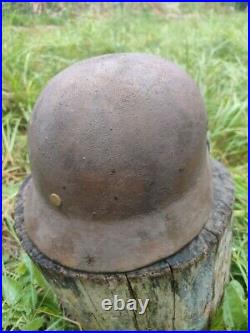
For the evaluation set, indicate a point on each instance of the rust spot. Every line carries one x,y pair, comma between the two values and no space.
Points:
89,260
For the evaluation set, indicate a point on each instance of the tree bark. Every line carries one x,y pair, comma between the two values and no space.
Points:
183,290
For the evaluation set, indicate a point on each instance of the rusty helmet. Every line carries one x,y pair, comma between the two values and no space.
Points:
120,166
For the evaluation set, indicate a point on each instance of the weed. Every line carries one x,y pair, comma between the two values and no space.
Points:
211,44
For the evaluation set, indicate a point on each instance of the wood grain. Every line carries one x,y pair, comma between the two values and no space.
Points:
184,289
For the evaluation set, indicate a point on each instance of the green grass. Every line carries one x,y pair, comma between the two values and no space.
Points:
210,44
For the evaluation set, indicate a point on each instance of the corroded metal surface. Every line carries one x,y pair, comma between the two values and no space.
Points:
120,141
197,272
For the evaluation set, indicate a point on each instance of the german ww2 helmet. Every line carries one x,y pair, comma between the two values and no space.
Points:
120,166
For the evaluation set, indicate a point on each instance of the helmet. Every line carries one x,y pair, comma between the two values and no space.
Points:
120,167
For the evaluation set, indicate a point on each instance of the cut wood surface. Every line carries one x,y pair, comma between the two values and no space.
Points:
183,290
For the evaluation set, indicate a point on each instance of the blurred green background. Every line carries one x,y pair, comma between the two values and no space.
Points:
209,40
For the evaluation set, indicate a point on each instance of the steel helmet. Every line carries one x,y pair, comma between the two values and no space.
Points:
120,166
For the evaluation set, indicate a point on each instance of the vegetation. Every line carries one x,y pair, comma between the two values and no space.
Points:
209,42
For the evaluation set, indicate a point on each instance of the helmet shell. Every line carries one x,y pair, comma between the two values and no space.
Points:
120,168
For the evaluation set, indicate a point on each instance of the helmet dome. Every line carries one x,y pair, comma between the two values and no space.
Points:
120,167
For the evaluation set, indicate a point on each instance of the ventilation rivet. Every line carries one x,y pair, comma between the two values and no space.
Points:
55,199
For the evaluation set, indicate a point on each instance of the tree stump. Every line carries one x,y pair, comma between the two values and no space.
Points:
183,290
